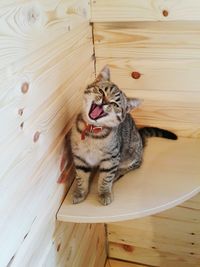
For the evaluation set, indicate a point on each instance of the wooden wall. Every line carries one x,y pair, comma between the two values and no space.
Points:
153,57
153,50
166,55
144,10
45,60
77,245
170,238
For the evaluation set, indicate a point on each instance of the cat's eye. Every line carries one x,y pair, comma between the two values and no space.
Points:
115,104
101,91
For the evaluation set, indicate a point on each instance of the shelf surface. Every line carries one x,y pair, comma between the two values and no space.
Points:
169,175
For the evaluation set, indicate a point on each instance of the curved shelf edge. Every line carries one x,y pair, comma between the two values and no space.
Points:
170,175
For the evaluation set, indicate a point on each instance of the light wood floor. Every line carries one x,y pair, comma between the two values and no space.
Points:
116,263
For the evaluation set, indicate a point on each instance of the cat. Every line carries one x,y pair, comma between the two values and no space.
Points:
105,136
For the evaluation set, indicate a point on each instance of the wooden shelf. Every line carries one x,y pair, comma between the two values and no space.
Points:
170,174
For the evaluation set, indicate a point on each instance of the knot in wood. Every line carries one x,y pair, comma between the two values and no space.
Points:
128,248
165,13
135,75
36,136
24,87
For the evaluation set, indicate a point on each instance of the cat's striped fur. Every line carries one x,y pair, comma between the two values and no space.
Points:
105,137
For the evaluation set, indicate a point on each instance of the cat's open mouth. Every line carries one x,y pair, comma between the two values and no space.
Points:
97,112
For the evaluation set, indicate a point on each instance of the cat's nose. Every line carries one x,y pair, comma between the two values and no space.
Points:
105,100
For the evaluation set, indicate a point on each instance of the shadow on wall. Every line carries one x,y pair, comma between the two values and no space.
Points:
66,162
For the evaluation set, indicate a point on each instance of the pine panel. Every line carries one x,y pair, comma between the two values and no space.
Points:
45,61
137,10
170,237
77,245
116,263
149,257
147,40
168,100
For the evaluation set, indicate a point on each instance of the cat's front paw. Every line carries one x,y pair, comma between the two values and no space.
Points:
105,198
79,196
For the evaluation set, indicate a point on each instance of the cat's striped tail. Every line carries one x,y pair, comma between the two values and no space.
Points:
146,132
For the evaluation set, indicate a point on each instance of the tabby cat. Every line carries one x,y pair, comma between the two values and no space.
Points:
105,136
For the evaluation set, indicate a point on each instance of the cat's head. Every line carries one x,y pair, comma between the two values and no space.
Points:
104,103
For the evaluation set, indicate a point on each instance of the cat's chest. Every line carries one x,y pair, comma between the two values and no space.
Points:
90,150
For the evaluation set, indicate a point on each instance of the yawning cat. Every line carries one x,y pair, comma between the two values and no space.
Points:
105,136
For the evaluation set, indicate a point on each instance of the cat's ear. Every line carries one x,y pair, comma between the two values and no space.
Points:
132,103
104,74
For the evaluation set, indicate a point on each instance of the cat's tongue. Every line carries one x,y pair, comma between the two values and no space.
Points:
96,111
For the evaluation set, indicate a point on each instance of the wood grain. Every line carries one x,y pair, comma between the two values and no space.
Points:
43,72
24,191
77,245
45,61
153,183
149,257
137,10
170,100
32,229
147,40
166,57
116,263
162,75
157,232
170,237
27,26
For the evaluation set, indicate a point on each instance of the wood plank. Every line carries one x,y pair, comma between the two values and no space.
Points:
182,213
134,254
42,68
125,10
56,95
39,41
48,121
24,192
172,234
193,203
165,234
35,25
167,103
175,111
142,40
156,74
173,168
77,245
34,213
40,116
151,257
116,263
43,72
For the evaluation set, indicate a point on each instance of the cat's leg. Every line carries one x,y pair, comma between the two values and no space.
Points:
122,171
83,172
107,173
